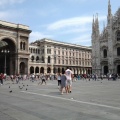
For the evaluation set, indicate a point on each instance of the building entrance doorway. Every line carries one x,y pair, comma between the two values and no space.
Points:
7,57
118,69
105,70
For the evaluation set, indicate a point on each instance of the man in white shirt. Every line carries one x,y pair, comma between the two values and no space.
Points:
69,76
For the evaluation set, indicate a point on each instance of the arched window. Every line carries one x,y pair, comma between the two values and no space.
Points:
118,36
48,59
118,51
37,58
32,58
31,69
37,70
104,53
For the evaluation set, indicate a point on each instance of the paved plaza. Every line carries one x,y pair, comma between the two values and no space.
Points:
89,100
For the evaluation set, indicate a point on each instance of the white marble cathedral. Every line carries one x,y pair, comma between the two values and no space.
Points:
106,45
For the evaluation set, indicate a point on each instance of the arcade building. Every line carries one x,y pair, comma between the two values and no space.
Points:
18,56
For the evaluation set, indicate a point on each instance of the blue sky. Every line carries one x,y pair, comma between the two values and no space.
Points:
62,20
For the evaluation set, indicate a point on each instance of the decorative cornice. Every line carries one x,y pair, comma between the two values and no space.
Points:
50,41
4,24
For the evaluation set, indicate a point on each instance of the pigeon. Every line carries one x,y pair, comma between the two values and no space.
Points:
26,89
10,91
23,85
9,86
27,85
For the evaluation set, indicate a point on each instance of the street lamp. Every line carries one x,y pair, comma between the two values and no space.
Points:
5,52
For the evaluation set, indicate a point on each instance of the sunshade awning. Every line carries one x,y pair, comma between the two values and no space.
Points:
3,43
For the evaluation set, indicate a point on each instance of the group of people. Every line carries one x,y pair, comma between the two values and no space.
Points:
65,81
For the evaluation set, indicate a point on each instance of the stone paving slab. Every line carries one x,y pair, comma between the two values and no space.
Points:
89,100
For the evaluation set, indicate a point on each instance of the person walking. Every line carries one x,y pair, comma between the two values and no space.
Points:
69,75
33,77
1,78
63,82
59,80
43,77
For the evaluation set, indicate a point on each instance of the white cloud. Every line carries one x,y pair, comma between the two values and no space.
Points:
76,30
6,2
82,40
7,16
75,1
4,15
77,21
38,35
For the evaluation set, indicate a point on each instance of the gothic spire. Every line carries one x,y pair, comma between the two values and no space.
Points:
97,23
109,8
93,25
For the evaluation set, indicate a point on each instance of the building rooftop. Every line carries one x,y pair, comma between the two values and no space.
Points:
5,23
59,42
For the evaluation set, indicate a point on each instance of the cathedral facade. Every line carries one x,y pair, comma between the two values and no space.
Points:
106,45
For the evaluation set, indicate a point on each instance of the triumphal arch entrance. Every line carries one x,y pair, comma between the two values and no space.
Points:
14,48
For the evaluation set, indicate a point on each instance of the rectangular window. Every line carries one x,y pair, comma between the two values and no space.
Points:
48,51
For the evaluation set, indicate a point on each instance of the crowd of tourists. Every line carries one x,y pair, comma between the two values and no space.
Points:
64,79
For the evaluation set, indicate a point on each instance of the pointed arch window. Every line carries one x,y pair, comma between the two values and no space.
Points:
118,36
118,51
104,53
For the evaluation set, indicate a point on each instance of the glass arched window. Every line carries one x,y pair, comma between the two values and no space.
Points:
118,36
118,51
104,53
